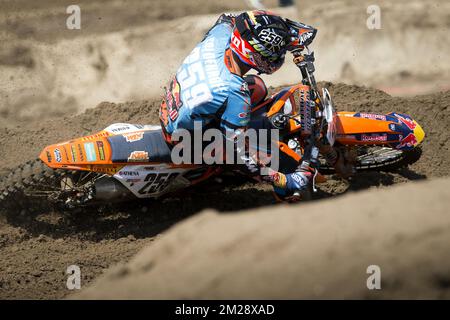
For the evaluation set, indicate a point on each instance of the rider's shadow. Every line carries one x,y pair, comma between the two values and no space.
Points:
144,219
140,219
366,180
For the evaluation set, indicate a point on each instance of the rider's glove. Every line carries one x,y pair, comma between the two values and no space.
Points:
291,187
296,181
291,182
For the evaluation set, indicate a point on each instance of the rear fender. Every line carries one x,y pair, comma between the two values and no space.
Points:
94,152
89,153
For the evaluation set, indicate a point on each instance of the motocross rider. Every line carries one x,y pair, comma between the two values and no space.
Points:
210,86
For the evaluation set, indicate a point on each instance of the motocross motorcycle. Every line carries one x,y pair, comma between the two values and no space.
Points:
125,162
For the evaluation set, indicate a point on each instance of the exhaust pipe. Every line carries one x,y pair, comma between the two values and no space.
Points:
111,190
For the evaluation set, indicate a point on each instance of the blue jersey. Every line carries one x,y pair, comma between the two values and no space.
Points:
205,90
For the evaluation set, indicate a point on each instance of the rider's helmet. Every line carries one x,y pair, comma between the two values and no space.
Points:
260,39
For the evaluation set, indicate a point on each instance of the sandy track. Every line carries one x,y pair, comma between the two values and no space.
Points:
316,250
36,250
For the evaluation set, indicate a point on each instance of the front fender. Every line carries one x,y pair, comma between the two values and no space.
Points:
397,130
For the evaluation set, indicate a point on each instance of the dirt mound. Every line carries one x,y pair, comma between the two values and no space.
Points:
406,52
316,250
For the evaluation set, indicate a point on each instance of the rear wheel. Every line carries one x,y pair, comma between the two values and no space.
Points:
35,187
378,158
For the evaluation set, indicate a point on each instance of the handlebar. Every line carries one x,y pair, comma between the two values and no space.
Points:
305,63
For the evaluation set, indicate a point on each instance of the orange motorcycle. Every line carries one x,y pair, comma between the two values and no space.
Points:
130,161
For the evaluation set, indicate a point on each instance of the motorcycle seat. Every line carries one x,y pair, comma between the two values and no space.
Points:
149,146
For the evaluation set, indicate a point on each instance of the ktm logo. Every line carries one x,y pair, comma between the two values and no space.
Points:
137,156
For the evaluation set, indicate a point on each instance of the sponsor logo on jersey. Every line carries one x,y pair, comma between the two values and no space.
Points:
173,99
243,115
244,87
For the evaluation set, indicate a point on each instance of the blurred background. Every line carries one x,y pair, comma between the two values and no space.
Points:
127,49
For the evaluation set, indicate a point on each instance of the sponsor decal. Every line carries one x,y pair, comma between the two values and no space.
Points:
303,38
244,88
95,136
80,152
376,137
408,122
409,141
129,173
133,136
73,151
104,168
243,115
259,47
392,127
66,154
49,156
57,154
90,152
173,99
101,150
137,156
119,129
372,116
